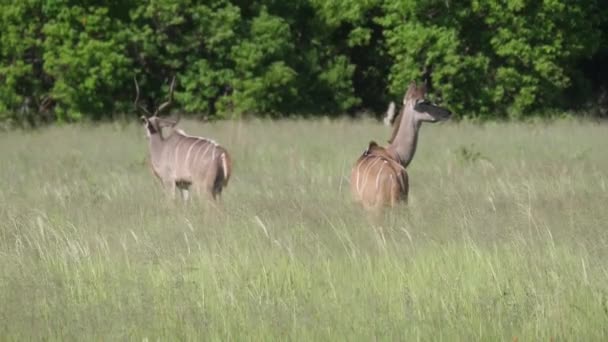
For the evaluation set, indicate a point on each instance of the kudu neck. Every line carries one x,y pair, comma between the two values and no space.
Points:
406,138
156,143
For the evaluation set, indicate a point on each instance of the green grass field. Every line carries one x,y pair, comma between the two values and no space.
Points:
505,235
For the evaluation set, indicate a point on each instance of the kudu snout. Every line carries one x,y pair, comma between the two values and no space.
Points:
438,113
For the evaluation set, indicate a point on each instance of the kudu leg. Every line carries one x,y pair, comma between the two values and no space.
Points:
205,192
170,187
185,194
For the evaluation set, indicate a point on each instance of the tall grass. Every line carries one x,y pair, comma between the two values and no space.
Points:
506,235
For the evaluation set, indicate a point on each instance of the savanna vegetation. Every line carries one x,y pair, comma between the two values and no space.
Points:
70,60
504,236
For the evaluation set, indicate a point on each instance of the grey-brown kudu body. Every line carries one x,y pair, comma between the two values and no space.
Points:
182,161
379,176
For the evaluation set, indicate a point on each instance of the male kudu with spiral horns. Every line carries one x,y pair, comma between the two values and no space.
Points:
379,177
183,161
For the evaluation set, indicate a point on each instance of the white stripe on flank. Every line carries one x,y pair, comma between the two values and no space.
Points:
378,175
198,153
367,171
190,150
197,156
192,136
224,166
206,150
176,152
358,173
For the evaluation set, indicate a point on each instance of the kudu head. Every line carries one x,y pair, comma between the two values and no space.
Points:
152,122
421,109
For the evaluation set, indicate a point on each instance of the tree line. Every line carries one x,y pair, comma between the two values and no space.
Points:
70,60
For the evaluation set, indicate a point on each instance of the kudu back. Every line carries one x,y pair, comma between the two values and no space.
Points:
181,161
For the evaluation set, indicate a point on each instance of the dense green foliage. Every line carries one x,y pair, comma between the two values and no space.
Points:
62,59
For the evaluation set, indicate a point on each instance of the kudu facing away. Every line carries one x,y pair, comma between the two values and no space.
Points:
182,161
379,177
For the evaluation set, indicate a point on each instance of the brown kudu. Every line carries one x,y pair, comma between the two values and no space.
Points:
379,176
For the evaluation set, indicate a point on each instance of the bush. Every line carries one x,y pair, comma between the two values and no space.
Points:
66,60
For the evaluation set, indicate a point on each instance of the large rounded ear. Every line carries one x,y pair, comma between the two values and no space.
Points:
422,90
390,114
143,119
167,122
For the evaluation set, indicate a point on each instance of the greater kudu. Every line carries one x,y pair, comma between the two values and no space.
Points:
379,176
182,161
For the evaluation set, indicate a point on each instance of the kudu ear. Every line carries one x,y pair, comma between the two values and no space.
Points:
167,122
422,90
390,114
143,119
172,123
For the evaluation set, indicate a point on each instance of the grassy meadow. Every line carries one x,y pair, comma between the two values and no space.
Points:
505,235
